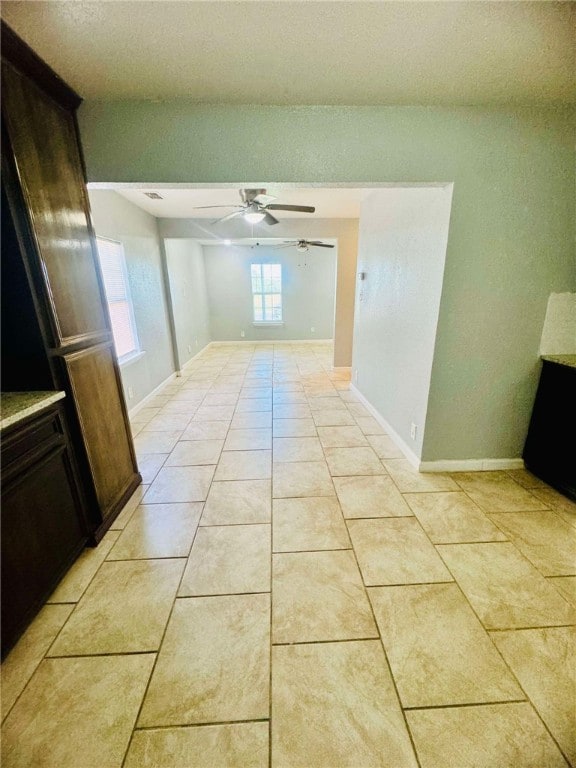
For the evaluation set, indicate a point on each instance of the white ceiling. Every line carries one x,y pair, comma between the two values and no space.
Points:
350,52
180,203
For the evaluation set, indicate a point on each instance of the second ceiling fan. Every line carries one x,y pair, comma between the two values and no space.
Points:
256,207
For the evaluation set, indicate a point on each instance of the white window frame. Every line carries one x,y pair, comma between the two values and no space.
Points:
136,353
265,320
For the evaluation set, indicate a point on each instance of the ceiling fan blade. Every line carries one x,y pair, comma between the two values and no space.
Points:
319,245
264,199
232,205
269,219
300,208
230,216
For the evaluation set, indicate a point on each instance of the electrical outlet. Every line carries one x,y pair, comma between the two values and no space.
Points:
356,376
189,347
195,342
242,334
130,393
312,330
413,429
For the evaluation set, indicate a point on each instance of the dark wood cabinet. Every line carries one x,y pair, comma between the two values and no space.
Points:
53,264
550,449
43,528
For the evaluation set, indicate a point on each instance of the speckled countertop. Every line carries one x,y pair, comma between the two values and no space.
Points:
16,406
569,360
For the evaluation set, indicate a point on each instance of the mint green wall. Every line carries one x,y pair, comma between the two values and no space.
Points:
511,240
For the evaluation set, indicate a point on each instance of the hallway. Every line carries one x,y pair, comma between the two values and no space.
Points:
286,590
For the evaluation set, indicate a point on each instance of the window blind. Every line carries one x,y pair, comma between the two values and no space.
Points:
113,266
267,292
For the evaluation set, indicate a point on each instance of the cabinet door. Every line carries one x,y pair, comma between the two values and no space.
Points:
45,147
92,376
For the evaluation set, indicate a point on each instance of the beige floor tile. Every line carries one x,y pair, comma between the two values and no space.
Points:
195,452
214,413
254,404
504,589
179,484
334,706
497,492
156,442
144,415
205,430
308,524
369,425
493,736
280,398
297,449
128,510
348,397
213,647
189,395
353,461
226,560
385,447
562,504
301,479
238,501
220,398
125,609
76,712
249,439
544,539
255,392
77,578
135,429
526,479
370,496
319,596
244,465
341,437
292,411
452,517
322,404
149,464
167,422
438,651
18,667
543,661
287,386
184,407
241,745
358,409
409,479
158,530
566,585
294,428
331,417
253,420
395,551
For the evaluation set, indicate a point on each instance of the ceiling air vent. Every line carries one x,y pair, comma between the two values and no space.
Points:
153,195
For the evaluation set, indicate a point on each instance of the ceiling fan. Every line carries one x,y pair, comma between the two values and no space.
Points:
256,207
303,245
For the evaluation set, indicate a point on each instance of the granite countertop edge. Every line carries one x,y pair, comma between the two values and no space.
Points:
17,406
568,360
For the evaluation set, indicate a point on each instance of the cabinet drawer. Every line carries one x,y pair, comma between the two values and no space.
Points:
27,441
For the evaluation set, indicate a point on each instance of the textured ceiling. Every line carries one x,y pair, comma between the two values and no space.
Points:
349,52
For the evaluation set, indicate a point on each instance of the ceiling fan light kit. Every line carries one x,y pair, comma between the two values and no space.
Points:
256,207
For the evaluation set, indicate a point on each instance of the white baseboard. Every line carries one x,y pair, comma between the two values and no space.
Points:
194,357
443,465
156,391
406,450
269,341
470,465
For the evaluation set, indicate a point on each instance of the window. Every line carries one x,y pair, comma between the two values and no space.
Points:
113,265
267,292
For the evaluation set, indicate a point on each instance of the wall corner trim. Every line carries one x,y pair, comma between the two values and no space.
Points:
390,431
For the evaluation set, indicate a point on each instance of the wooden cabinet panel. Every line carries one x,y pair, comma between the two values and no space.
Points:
42,522
44,143
92,376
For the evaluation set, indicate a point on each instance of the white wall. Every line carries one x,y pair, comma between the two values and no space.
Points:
187,280
402,249
345,231
308,288
117,219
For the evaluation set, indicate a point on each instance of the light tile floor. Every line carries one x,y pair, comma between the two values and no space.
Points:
285,590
